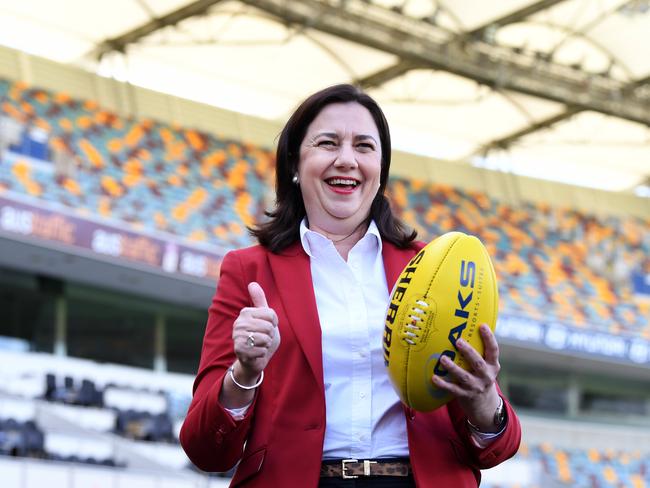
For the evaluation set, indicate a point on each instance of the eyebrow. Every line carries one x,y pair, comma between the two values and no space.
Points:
334,135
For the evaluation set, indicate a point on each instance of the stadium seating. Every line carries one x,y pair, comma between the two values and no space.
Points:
593,468
149,174
551,263
19,434
33,425
65,419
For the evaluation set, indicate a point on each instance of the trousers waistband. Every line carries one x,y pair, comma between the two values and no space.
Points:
353,468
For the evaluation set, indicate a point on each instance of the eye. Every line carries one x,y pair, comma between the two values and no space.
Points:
366,146
326,143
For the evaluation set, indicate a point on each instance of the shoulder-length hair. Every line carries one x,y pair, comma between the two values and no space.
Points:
283,227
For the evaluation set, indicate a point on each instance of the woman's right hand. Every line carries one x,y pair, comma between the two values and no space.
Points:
259,322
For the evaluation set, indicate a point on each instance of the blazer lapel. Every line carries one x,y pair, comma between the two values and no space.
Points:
292,273
395,260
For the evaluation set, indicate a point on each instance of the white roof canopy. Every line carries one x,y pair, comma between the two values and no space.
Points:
553,88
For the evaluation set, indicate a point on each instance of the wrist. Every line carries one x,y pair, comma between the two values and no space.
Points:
242,380
492,423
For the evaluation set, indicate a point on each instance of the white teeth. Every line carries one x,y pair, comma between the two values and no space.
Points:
342,181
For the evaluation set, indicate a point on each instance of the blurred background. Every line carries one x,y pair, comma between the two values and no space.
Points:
137,143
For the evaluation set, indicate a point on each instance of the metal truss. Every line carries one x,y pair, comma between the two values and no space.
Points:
403,66
120,42
423,44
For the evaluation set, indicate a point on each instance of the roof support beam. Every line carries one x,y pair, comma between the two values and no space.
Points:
382,76
507,141
120,42
516,16
402,67
496,66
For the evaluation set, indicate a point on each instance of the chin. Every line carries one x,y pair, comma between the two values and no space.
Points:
343,214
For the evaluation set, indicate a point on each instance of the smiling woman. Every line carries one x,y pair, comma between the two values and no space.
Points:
339,171
317,407
342,124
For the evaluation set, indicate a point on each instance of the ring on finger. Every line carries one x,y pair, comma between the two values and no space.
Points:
250,340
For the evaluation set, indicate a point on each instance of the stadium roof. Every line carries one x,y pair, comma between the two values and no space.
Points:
556,89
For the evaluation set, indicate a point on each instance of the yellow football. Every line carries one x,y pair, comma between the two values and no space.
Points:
445,292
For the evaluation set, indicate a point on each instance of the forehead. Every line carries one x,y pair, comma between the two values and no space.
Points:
343,118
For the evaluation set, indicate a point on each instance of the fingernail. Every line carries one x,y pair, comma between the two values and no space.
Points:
460,342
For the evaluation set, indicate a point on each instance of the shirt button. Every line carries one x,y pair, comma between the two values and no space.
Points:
362,394
362,354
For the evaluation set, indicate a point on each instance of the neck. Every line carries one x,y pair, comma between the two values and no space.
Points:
337,240
348,236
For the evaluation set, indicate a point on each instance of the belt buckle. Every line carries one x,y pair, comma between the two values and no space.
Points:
344,475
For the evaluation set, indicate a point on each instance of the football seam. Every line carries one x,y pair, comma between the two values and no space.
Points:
441,261
435,273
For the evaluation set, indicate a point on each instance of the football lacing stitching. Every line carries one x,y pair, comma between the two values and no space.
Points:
414,328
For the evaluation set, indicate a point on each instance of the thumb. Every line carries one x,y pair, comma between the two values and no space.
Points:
257,295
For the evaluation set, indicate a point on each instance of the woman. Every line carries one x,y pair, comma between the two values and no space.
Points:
291,382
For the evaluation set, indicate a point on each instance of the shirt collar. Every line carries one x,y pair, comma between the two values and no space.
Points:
313,242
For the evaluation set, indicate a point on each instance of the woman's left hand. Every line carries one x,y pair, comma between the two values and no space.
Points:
475,389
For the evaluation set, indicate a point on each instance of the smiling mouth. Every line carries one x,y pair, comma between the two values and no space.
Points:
342,183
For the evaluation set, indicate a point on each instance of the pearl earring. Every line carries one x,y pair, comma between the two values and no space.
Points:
295,179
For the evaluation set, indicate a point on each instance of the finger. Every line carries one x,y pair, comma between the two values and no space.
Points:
248,325
253,353
490,345
244,349
257,295
458,374
259,340
251,356
267,314
473,358
452,388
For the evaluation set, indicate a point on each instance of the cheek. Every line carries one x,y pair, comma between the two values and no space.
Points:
373,172
312,164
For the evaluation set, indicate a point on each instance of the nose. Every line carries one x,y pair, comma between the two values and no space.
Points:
346,157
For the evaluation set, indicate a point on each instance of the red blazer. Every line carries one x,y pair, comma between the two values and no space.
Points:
280,441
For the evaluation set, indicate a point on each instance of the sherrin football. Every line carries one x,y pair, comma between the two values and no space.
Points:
445,292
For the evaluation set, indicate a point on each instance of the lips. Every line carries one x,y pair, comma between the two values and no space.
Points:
342,183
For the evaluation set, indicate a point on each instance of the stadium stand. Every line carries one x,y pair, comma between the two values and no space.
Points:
43,417
586,468
45,428
544,257
149,174
199,187
551,263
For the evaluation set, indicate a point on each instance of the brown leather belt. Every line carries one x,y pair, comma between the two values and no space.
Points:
353,468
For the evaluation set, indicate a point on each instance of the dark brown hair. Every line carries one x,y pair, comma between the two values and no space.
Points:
283,227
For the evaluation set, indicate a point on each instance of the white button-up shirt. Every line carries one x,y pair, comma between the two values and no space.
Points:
364,415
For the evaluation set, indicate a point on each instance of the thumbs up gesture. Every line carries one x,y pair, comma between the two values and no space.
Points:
255,335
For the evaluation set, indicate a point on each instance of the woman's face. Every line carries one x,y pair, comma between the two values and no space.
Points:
340,167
